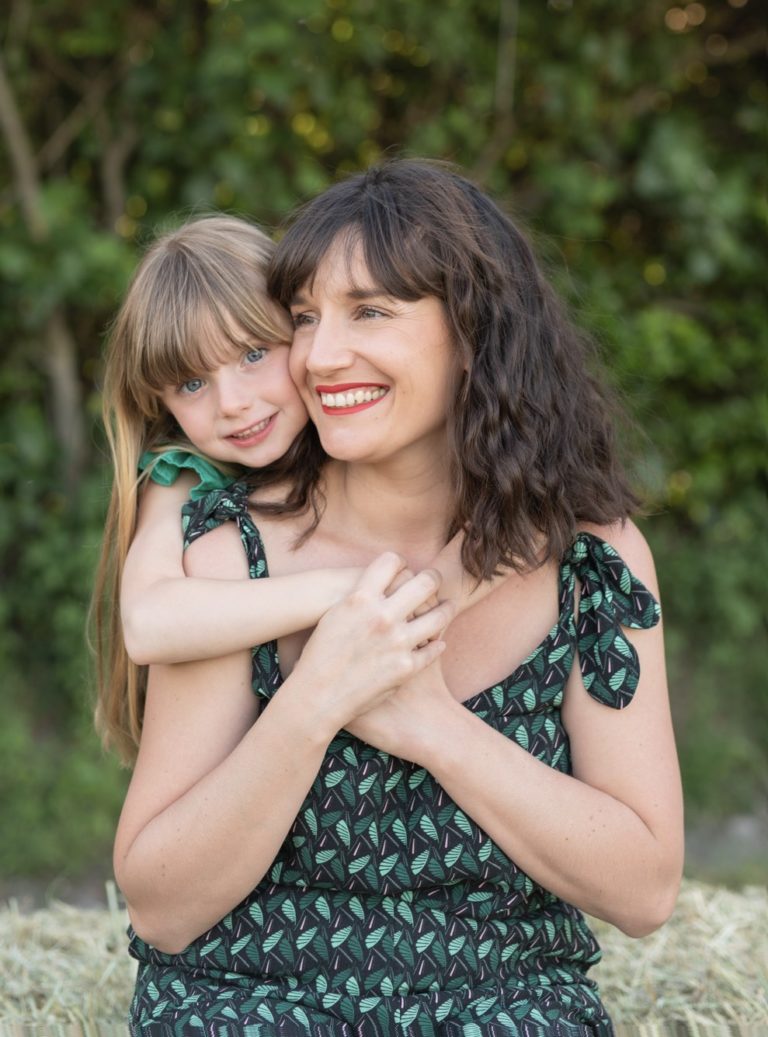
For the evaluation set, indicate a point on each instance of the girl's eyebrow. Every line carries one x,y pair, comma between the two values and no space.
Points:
246,339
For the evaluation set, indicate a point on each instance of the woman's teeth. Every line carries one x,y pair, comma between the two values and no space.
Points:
252,431
351,398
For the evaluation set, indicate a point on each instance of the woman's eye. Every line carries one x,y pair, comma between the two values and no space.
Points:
370,313
192,386
253,356
300,320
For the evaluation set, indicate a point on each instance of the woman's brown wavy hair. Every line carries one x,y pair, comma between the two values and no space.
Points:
531,426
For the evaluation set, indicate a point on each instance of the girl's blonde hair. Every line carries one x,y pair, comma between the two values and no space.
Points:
196,285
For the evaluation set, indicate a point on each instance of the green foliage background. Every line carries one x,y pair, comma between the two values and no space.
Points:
629,137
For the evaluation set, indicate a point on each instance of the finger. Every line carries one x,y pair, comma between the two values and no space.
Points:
400,580
377,577
424,656
427,605
431,625
414,592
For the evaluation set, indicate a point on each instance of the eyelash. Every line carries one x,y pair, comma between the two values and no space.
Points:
301,320
184,391
257,349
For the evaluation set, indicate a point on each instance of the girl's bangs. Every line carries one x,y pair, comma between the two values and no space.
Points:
194,340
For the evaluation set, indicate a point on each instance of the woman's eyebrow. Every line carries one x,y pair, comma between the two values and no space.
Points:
368,293
300,299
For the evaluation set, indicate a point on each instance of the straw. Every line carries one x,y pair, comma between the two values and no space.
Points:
704,974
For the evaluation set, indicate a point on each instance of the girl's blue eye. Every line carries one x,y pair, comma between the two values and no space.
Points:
254,355
192,386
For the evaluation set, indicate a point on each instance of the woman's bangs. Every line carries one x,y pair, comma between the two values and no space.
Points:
404,258
398,260
298,257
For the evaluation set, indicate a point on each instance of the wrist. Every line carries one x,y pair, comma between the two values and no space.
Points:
342,580
305,703
442,743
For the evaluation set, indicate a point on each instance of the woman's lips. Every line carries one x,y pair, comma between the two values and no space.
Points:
253,434
350,398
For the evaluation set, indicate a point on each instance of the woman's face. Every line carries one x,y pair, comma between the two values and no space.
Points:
375,372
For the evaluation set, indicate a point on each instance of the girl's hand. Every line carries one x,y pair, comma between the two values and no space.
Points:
371,642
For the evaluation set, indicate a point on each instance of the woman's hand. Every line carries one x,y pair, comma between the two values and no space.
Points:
371,642
407,722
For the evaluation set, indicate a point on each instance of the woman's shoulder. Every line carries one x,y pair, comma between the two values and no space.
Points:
628,542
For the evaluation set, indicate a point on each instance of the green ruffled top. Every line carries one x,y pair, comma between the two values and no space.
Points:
165,467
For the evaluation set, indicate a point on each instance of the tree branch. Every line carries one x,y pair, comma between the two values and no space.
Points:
60,352
503,103
22,159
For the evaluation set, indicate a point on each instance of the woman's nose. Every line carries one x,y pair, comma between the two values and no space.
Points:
329,349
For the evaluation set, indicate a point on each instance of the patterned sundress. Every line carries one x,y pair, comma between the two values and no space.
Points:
388,911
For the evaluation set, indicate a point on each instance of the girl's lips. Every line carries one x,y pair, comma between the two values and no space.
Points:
350,397
252,435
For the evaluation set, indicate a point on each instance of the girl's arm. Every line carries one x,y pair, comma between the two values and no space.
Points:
217,785
609,837
169,618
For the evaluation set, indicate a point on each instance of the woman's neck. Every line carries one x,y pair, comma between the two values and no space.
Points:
404,508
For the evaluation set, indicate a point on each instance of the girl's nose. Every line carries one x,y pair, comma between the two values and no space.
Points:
235,392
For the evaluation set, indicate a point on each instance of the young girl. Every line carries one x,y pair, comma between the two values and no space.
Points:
196,393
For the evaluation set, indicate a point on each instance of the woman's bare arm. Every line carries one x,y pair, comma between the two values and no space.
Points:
608,838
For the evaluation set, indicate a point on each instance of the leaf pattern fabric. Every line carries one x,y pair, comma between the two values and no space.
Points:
611,597
388,911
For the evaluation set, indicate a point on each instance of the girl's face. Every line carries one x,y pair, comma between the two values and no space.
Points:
246,410
375,372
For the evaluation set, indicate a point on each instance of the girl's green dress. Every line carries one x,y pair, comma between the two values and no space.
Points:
388,911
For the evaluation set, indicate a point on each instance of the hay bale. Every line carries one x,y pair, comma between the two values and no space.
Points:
704,974
64,965
707,967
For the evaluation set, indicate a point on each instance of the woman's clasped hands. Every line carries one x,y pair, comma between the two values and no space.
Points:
391,615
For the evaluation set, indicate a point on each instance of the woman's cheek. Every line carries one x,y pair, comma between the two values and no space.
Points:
297,366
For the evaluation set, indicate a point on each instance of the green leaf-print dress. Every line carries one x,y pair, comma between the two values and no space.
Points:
388,911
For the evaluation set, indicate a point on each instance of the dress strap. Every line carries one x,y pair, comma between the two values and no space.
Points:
611,597
214,508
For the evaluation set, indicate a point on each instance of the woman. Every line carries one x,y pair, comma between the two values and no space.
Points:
377,853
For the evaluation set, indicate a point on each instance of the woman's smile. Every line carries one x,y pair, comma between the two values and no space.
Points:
349,398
